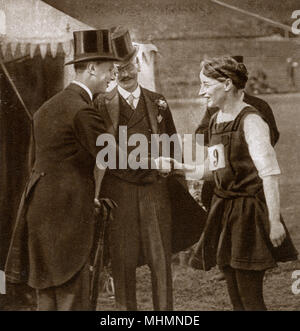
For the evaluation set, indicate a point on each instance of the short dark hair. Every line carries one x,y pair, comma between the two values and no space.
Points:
80,66
224,67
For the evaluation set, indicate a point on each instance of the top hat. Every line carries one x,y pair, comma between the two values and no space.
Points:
93,45
123,46
238,58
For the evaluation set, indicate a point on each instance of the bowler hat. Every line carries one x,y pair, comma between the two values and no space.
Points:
123,46
93,45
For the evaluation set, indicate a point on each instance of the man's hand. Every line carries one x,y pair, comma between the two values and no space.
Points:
98,207
277,233
103,206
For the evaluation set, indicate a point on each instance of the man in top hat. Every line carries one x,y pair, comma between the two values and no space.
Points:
143,223
54,231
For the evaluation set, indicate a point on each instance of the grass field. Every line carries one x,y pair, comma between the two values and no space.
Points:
193,289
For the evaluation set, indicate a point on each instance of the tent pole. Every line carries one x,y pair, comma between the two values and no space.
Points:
15,88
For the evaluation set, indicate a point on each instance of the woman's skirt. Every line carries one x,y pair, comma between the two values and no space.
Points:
237,234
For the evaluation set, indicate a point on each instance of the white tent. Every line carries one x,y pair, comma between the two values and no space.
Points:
32,27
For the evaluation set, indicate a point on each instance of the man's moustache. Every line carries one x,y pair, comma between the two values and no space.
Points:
125,79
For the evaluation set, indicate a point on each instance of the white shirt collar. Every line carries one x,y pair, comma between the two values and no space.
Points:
84,87
125,94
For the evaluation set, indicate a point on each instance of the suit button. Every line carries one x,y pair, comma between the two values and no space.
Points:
42,174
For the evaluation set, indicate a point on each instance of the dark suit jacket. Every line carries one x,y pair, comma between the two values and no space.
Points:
188,218
261,105
54,230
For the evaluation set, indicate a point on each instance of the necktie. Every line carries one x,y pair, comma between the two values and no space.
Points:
130,100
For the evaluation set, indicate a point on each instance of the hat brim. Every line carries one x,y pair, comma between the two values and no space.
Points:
94,58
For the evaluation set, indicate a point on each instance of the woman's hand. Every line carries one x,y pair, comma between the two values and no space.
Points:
271,190
166,164
277,233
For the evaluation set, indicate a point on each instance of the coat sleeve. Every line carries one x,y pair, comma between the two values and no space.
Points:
170,130
257,136
88,125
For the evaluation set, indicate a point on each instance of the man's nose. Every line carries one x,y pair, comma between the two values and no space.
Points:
112,75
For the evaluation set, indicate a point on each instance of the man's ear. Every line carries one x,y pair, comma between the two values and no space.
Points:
91,68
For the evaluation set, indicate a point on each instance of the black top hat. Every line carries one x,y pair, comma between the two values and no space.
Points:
92,45
238,58
122,44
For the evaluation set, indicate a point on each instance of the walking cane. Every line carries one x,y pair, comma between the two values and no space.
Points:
98,259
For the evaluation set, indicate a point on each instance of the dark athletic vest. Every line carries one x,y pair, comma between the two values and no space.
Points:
235,173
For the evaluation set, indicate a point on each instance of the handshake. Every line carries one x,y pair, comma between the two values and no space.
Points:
165,165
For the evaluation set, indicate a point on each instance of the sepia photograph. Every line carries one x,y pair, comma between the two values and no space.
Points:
149,157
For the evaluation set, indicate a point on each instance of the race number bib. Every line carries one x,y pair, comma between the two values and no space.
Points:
216,157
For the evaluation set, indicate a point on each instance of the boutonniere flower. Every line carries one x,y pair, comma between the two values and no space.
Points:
162,104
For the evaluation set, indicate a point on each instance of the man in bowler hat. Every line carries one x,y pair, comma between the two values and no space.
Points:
143,225
54,231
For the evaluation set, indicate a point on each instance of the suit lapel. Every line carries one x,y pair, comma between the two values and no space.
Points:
112,108
152,111
105,115
125,109
138,114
